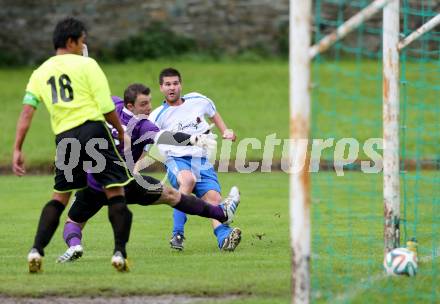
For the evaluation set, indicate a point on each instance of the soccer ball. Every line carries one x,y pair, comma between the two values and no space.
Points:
400,261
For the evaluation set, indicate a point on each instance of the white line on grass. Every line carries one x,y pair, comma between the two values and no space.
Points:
366,283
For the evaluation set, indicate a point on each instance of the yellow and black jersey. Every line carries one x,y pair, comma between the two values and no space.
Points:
73,88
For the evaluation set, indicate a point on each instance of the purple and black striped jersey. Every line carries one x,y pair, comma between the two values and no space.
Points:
141,131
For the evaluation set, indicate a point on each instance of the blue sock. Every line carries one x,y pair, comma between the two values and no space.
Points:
221,232
179,220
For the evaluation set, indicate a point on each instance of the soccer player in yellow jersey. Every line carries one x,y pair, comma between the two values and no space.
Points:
75,91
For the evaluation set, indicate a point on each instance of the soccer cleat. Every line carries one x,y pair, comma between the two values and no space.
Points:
119,262
176,242
35,261
72,254
230,204
232,240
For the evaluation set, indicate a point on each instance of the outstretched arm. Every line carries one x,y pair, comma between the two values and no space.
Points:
172,138
23,124
220,124
205,141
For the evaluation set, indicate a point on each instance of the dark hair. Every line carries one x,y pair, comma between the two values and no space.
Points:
169,72
65,29
132,92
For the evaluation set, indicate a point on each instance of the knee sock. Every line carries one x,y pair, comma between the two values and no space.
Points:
196,206
179,220
221,232
49,220
72,234
120,217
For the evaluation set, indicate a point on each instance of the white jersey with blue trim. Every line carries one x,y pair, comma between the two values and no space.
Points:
189,118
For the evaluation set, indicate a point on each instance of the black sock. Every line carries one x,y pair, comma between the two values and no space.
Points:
120,217
196,206
49,220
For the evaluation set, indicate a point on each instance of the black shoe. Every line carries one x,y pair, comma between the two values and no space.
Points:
176,241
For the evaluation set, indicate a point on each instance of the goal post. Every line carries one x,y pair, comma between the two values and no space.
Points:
390,55
391,177
299,194
419,32
348,26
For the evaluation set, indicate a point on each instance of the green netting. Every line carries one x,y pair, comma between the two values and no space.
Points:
420,136
347,211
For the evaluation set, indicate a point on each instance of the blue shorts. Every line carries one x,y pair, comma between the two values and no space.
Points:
206,177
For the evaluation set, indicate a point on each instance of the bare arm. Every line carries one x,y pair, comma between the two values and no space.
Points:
23,124
220,124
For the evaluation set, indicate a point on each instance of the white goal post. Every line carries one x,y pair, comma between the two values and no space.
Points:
390,116
300,54
419,32
299,194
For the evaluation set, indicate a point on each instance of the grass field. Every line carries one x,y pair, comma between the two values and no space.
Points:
239,84
253,99
347,212
347,218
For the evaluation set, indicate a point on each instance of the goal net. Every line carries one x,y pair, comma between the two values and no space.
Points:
365,197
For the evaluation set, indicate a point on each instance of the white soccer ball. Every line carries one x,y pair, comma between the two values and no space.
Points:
400,261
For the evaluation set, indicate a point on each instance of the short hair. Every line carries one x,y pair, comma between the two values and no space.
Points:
65,29
169,72
132,92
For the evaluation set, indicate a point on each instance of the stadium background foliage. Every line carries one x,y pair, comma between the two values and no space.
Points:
213,28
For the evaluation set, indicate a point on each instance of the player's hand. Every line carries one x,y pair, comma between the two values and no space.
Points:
18,163
205,141
229,135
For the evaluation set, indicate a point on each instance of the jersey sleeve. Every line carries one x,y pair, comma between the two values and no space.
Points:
210,109
31,99
99,87
150,130
32,96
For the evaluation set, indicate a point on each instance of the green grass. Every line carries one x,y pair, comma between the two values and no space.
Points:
347,219
236,88
253,99
347,102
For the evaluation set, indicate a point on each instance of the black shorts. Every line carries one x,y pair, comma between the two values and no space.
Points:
89,146
88,201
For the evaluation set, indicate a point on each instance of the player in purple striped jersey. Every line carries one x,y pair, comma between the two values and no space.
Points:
132,112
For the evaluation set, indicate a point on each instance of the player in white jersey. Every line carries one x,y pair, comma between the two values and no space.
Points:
188,168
